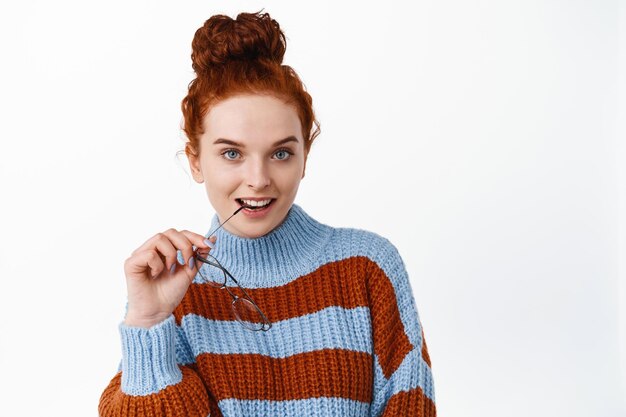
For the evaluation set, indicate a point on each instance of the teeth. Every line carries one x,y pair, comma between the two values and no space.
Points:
256,203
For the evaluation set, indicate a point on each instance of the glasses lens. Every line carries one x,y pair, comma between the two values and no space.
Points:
249,315
210,274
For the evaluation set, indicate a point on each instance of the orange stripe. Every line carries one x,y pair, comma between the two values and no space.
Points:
340,283
322,373
411,403
391,343
187,398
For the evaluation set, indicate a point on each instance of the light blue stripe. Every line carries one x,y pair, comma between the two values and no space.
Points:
184,355
332,327
413,372
313,407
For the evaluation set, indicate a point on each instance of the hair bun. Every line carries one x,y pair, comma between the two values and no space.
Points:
251,36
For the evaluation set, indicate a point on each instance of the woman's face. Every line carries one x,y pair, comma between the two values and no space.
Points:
252,148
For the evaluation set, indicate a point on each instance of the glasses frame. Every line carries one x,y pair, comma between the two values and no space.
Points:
266,323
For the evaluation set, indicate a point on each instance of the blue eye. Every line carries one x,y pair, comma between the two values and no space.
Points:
230,151
284,151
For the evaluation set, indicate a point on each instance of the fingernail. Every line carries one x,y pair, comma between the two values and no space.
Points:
208,243
191,262
173,268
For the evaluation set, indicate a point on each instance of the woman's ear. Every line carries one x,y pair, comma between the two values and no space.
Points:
194,166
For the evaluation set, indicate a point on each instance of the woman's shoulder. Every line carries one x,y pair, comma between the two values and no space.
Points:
363,237
352,241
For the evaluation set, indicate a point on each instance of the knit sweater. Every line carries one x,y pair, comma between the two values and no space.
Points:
346,338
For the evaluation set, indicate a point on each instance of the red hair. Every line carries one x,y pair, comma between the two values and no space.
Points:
242,56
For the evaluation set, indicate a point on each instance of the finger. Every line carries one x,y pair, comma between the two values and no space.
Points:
183,241
148,244
212,240
206,248
197,240
165,248
155,263
146,261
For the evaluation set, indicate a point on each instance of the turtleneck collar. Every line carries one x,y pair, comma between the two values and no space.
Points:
286,252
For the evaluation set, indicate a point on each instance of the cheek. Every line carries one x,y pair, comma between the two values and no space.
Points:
291,177
217,180
289,182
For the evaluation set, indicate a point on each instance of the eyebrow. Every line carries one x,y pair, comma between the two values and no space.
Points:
241,145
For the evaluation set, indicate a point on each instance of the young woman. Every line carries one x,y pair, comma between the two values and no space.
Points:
275,314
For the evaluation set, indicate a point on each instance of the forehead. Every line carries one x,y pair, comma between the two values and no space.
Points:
252,118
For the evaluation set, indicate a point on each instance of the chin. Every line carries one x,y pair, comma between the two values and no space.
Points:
255,232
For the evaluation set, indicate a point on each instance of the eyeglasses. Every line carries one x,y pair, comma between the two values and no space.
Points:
214,274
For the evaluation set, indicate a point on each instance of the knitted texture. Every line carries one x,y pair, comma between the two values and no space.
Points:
346,338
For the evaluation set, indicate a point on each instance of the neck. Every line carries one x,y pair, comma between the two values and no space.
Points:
277,257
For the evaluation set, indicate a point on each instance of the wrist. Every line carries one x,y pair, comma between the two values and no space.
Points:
132,320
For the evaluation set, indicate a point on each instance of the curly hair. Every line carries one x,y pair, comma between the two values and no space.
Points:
239,56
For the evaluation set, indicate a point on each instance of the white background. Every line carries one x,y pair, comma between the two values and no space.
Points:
485,139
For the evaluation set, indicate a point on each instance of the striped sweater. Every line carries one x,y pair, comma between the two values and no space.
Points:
346,338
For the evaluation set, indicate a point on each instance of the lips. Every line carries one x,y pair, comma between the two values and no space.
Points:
241,203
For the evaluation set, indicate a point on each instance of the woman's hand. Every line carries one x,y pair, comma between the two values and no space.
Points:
154,290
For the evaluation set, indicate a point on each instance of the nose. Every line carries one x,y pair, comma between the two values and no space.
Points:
257,175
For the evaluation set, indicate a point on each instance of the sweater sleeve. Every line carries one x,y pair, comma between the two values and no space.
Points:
156,376
403,381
